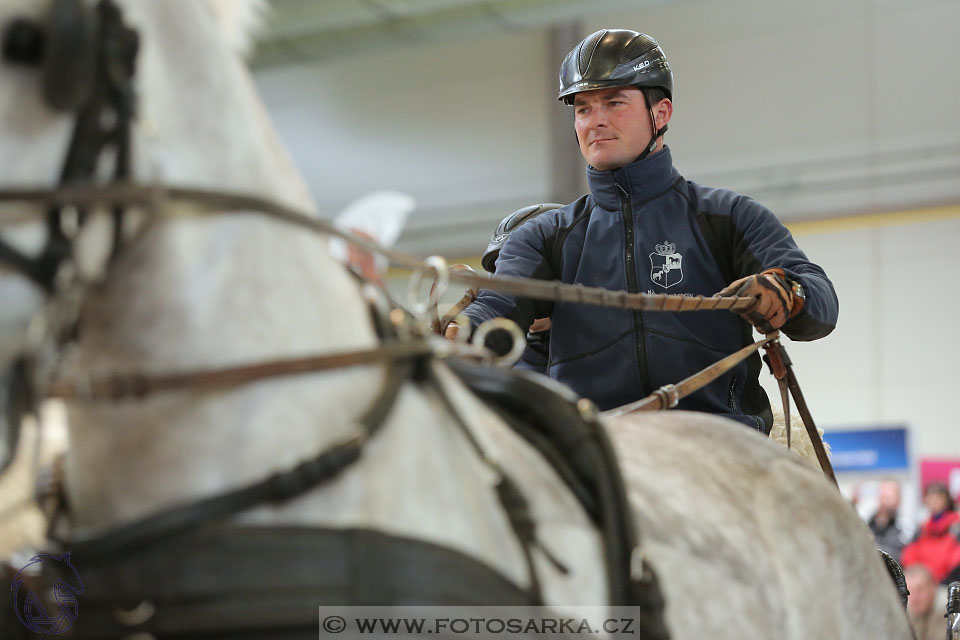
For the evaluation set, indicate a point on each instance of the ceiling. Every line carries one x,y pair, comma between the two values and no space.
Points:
307,30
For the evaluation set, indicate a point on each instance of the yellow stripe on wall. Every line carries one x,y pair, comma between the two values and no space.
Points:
873,220
810,227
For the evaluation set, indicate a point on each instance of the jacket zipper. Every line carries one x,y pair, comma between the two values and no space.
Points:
633,287
731,394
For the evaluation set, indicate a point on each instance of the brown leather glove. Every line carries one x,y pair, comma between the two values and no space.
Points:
776,301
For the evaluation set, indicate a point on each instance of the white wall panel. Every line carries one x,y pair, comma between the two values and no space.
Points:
893,356
927,406
917,305
850,352
451,124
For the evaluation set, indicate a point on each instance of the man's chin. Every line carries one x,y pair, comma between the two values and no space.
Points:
606,161
606,166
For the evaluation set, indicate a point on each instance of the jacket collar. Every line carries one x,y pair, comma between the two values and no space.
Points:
642,179
941,523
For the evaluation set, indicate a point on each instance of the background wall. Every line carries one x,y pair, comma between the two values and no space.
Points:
830,113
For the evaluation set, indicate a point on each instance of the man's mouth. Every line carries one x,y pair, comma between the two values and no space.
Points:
602,140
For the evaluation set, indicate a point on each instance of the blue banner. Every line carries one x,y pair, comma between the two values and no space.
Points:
868,449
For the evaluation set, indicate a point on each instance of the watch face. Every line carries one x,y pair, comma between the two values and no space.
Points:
797,289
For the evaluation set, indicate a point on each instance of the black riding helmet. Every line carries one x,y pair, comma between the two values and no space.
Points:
617,58
506,227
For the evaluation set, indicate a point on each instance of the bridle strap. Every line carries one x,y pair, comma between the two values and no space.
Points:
31,269
102,121
138,385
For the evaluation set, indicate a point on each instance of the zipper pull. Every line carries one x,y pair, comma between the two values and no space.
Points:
622,190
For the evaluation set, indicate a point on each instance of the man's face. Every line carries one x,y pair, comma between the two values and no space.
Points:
613,126
922,590
888,496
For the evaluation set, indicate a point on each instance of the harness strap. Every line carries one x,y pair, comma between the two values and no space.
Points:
567,432
669,395
774,360
512,501
234,583
278,487
808,423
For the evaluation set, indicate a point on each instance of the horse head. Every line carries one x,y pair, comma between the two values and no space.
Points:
170,290
171,103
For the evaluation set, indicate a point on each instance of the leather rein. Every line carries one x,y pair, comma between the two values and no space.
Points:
156,200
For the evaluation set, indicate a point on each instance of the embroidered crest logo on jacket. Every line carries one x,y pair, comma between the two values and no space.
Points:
665,265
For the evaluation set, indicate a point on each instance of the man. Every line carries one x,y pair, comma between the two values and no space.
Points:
883,523
927,603
643,228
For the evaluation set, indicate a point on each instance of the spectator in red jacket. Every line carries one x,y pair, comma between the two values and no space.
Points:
937,545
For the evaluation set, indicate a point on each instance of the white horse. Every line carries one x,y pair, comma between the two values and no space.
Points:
748,542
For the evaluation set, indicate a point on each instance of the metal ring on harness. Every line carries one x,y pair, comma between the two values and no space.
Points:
450,317
669,396
511,327
441,280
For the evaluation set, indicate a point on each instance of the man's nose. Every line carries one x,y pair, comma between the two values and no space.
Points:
598,118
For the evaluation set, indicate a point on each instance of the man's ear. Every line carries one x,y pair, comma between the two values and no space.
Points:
663,112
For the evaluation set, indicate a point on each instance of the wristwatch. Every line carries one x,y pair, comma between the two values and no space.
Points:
797,290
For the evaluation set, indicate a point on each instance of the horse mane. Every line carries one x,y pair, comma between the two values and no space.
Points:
240,21
799,439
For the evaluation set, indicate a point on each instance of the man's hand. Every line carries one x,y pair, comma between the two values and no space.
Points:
540,324
452,331
776,303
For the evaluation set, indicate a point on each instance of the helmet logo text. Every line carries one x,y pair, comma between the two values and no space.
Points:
642,65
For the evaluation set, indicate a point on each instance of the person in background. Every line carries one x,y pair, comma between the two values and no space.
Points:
927,603
937,544
379,216
883,523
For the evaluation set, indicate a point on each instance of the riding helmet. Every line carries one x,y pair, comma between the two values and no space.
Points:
614,58
506,227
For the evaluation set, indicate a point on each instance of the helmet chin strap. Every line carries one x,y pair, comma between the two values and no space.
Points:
653,141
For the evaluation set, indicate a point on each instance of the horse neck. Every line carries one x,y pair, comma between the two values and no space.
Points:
208,292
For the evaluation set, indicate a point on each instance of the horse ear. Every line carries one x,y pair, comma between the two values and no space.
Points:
69,61
239,21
